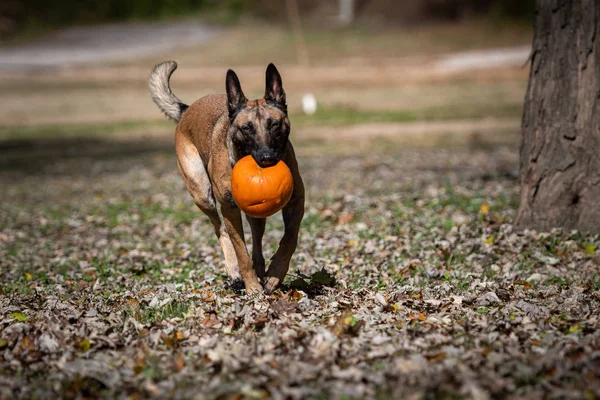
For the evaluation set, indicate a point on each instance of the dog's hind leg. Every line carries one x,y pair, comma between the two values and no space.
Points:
198,183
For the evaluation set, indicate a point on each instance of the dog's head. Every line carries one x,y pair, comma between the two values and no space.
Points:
258,127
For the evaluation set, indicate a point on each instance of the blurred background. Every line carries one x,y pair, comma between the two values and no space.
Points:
411,73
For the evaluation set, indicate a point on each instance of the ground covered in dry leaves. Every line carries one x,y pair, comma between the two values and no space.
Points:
410,281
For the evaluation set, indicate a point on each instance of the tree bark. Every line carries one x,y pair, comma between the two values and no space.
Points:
560,151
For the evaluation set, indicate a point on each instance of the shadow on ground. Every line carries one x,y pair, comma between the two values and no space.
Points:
37,156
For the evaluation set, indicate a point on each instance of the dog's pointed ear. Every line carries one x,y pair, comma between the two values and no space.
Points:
274,87
236,99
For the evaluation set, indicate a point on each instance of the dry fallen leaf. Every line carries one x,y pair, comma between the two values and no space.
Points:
436,357
178,362
345,218
346,323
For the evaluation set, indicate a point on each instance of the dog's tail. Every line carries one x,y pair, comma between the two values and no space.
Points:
163,97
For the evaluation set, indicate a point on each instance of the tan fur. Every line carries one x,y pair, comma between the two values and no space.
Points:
205,157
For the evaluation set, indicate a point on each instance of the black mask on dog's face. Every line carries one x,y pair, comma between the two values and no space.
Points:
258,127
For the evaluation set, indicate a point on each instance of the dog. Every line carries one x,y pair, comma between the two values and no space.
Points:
212,134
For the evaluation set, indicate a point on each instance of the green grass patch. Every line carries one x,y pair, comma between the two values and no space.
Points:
172,310
122,212
21,288
341,115
151,315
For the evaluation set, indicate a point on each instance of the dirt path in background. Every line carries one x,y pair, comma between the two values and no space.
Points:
128,41
103,43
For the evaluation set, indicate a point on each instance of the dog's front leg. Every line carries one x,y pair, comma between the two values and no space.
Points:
232,221
257,225
293,213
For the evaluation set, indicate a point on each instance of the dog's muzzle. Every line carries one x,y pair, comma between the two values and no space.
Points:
265,157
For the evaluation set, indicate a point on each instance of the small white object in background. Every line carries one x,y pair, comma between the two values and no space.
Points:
309,104
346,12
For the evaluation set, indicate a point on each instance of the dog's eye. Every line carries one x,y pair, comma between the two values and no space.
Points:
248,129
275,126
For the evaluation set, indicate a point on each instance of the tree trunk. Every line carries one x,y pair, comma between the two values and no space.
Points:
560,152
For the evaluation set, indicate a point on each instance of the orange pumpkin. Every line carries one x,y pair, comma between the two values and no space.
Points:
261,192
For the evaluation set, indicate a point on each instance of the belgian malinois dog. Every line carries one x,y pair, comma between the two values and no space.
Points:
212,134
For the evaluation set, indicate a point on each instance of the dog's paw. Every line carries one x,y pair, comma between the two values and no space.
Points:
271,284
254,289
